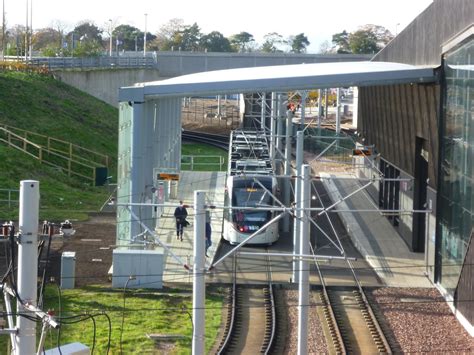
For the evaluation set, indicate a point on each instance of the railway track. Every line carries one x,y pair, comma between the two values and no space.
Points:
351,326
251,326
216,140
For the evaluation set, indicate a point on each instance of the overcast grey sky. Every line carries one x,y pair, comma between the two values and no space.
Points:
317,19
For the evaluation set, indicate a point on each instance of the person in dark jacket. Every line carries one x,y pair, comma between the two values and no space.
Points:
180,215
208,232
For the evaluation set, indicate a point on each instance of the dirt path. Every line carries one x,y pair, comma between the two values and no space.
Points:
92,243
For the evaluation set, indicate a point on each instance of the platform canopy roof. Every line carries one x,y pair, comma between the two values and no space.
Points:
280,78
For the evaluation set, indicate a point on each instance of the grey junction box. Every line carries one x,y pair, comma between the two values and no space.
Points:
146,266
68,269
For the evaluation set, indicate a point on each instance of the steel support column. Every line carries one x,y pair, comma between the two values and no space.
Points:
273,125
296,224
338,112
288,172
304,96
303,296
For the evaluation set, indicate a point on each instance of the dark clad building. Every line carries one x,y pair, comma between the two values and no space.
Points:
425,132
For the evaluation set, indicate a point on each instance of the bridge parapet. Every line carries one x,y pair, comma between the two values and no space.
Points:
61,63
176,63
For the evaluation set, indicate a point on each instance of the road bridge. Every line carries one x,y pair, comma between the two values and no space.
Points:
102,77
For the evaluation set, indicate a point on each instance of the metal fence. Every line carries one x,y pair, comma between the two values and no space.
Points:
53,63
9,196
203,162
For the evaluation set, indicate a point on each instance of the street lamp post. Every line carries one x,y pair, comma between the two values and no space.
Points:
26,31
110,37
144,38
3,30
30,46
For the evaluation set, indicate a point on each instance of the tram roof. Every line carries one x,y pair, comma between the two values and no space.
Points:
279,79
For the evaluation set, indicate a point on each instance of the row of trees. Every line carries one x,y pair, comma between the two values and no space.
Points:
367,39
87,39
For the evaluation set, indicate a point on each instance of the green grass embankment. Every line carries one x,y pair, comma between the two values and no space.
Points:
41,104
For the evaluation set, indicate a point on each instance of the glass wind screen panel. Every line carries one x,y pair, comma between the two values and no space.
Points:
123,174
456,211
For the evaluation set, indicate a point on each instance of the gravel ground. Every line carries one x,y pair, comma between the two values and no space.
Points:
421,321
316,340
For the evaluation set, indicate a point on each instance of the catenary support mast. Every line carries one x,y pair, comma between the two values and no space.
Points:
27,265
199,281
303,296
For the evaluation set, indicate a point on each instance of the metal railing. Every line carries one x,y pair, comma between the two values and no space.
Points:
189,162
59,146
331,150
57,63
9,196
68,163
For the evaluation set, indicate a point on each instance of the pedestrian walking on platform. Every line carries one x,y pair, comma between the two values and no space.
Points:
208,232
180,215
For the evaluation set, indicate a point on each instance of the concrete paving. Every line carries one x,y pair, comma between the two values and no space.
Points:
374,237
371,233
211,182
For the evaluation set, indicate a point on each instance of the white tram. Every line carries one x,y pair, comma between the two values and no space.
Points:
250,190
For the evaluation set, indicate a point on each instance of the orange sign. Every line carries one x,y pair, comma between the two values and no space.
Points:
366,152
168,177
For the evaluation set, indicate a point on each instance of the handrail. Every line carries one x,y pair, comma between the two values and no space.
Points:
18,142
70,147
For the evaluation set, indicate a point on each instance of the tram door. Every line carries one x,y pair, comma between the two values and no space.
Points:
420,194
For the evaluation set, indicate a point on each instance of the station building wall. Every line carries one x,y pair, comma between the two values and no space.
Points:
401,121
427,132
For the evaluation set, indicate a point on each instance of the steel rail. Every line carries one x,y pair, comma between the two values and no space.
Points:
228,330
336,335
273,308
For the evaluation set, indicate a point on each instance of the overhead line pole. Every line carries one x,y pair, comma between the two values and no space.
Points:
144,38
31,30
199,281
3,29
304,202
287,189
27,266
273,124
26,32
296,224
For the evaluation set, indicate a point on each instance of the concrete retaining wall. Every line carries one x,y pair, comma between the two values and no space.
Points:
104,84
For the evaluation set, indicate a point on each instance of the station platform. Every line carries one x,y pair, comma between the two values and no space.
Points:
373,235
211,182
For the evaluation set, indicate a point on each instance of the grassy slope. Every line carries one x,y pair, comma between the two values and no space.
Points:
146,312
41,104
44,105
